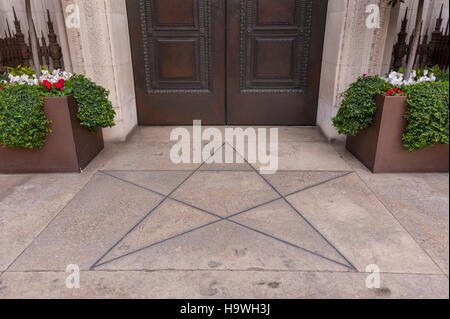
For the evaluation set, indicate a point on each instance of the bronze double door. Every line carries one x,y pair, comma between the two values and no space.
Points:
237,62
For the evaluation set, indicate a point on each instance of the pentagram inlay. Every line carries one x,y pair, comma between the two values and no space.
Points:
225,211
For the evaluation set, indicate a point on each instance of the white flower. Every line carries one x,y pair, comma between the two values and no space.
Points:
397,79
23,79
55,76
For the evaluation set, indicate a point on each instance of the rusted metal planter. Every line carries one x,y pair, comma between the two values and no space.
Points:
69,148
380,147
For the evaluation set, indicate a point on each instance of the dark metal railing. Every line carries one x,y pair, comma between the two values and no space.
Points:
16,50
430,52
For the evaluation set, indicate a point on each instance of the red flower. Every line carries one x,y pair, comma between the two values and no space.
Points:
401,92
364,75
62,89
395,89
389,93
47,84
59,84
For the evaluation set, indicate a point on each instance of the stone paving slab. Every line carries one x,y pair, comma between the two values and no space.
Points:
224,246
421,205
27,207
288,134
9,183
238,163
90,224
279,220
222,285
169,220
162,182
145,156
306,156
138,213
288,182
348,213
29,202
180,216
420,202
225,192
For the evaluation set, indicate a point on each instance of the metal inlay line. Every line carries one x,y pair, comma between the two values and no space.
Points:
98,263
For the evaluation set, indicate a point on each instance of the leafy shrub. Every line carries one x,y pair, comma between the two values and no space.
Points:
443,77
21,70
49,89
4,77
427,115
427,112
424,71
94,108
22,121
358,105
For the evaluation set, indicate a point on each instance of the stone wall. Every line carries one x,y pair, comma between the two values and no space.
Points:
100,48
351,49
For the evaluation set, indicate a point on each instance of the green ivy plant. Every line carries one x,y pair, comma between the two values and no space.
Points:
4,77
358,106
431,70
22,120
427,115
21,70
94,108
443,77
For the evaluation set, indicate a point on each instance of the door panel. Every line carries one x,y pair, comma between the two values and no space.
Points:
274,60
242,62
178,56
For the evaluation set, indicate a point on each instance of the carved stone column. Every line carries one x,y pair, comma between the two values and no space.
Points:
351,49
100,49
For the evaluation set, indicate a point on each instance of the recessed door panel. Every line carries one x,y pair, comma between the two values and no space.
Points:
249,62
178,53
274,56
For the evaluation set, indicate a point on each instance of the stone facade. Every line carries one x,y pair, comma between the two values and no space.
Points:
351,49
354,49
100,49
